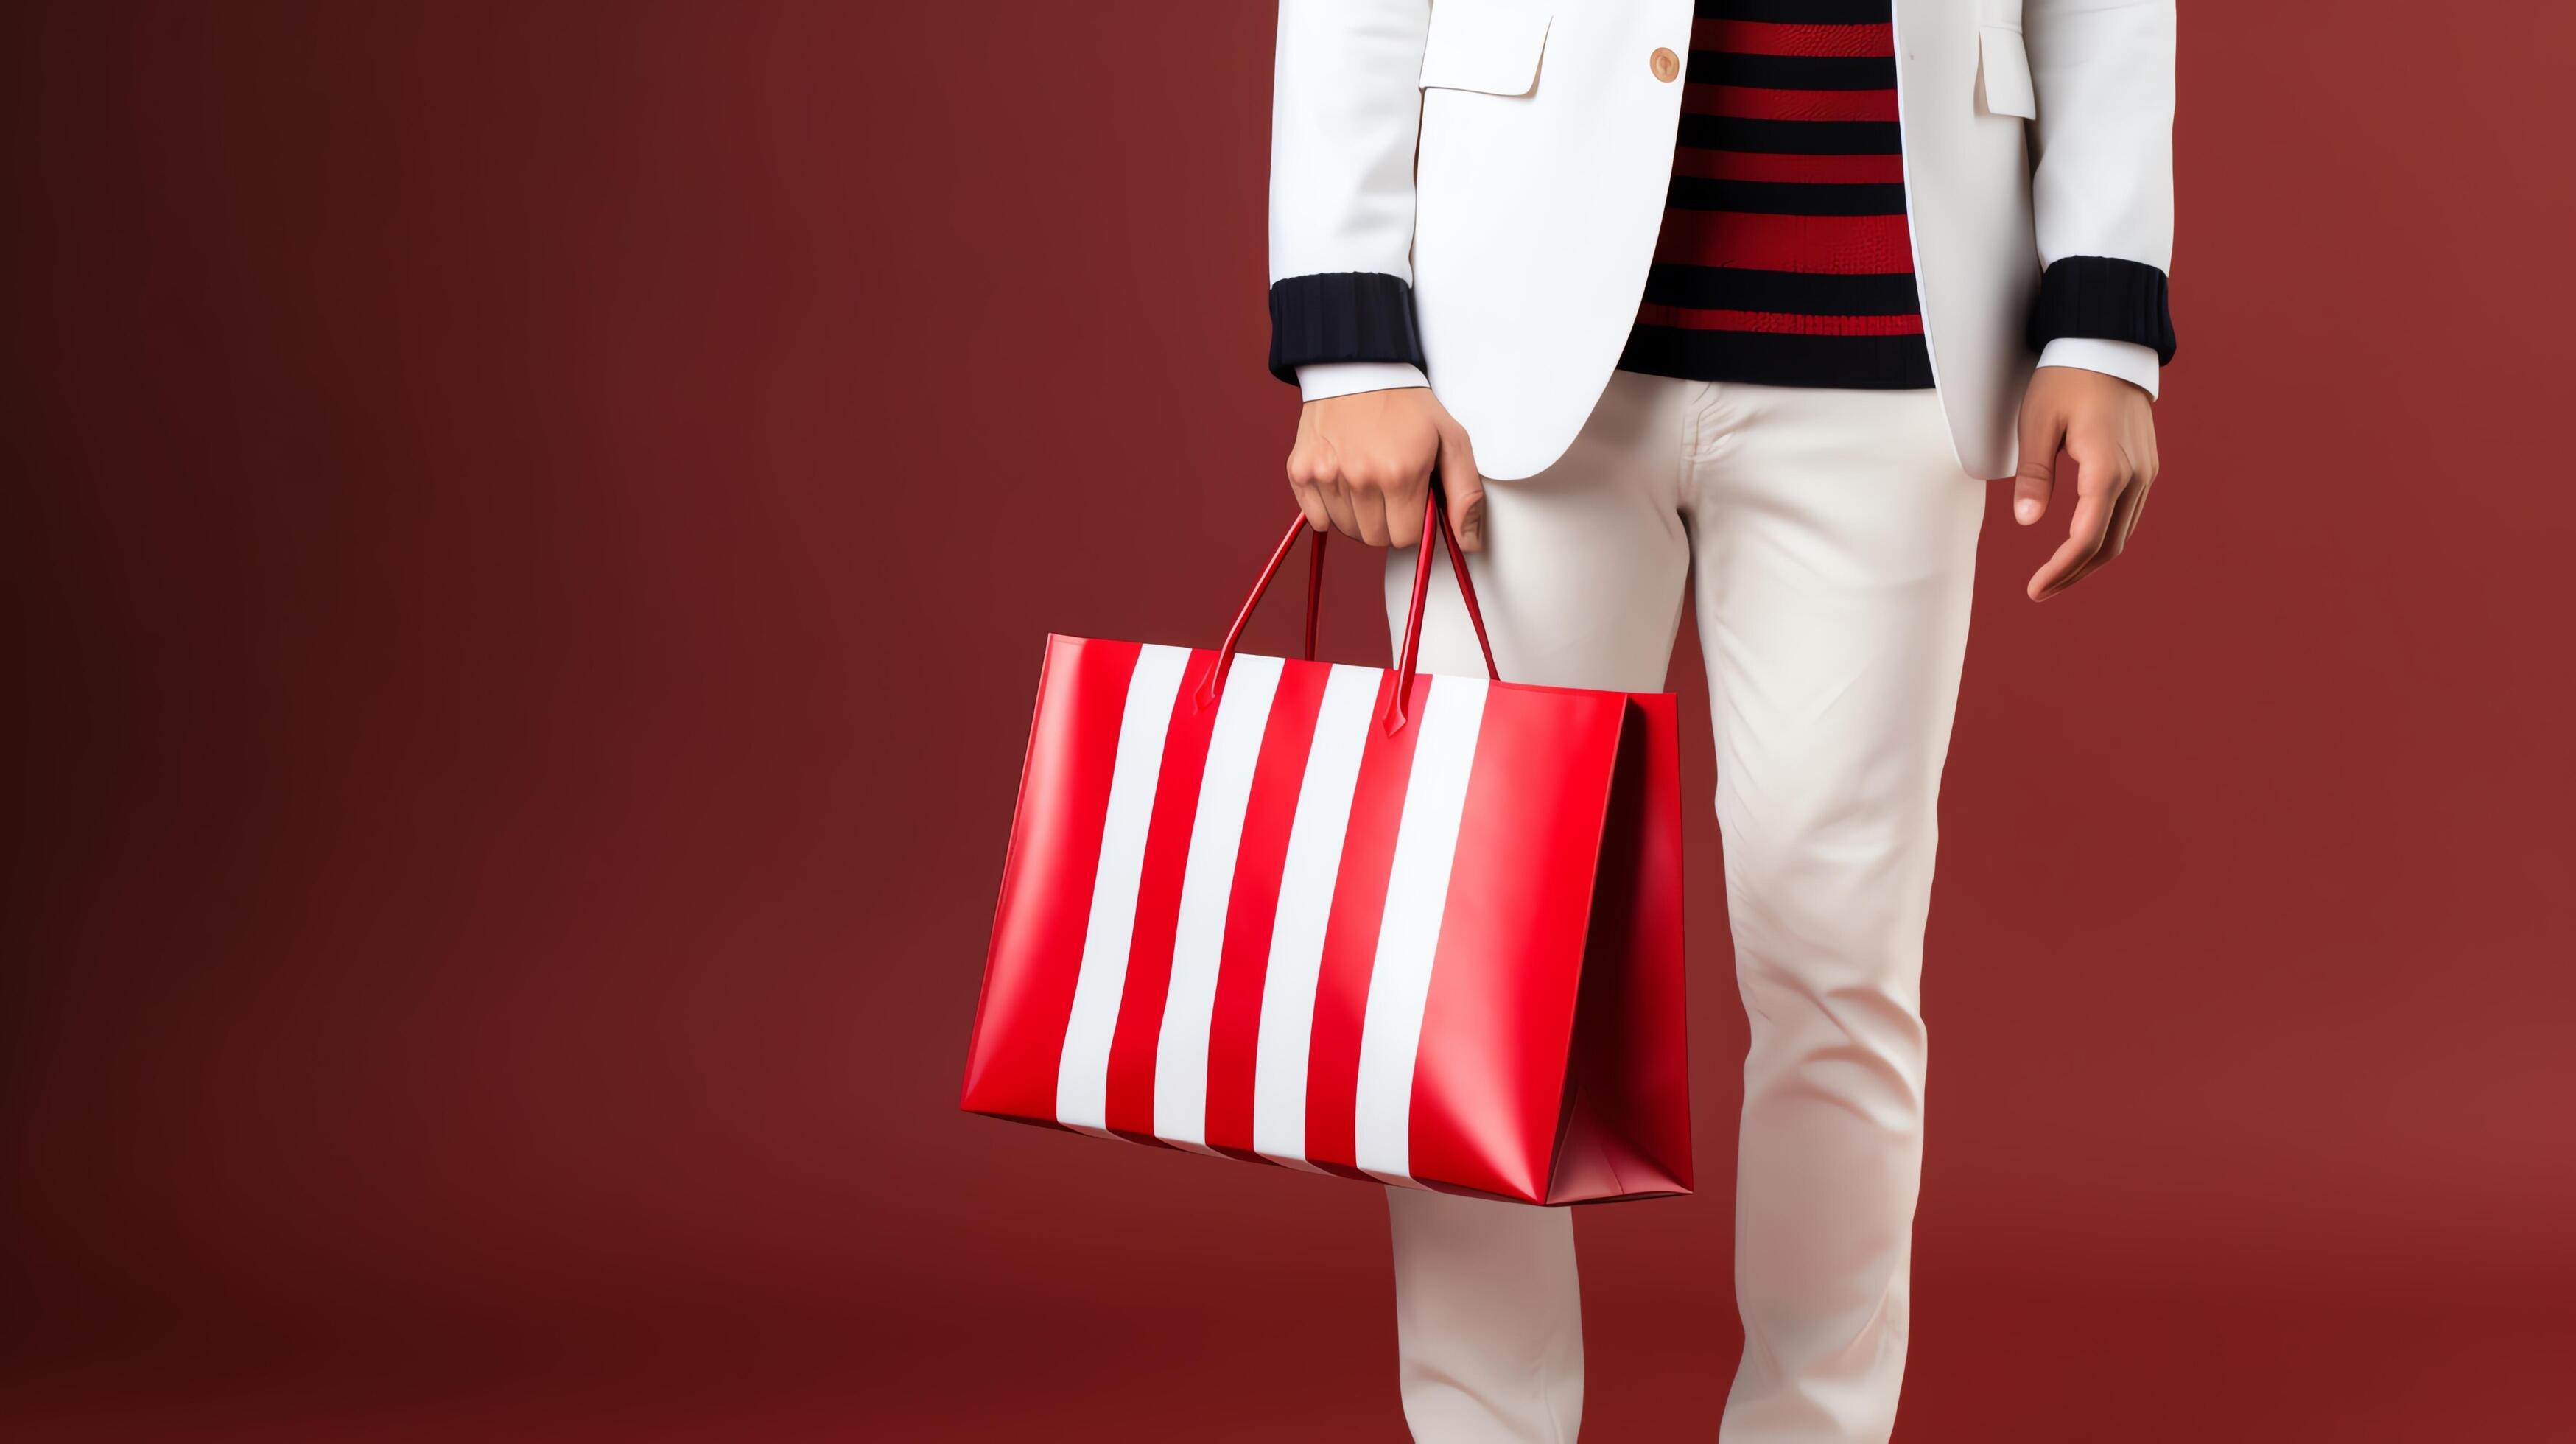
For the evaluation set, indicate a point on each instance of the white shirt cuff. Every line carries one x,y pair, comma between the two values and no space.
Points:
1343,378
2127,360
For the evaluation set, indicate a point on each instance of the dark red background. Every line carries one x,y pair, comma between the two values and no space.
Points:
529,529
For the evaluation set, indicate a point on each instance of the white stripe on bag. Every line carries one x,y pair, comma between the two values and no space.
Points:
1417,892
1082,1073
1207,886
1305,904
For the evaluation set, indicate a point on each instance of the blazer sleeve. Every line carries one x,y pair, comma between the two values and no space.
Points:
1346,108
2102,182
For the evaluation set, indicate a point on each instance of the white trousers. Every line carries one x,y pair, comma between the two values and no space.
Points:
1833,537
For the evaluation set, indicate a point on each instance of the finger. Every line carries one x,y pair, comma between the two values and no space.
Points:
1465,490
2042,431
2103,467
2124,523
1338,506
2091,522
1404,511
2144,484
1309,500
1368,506
2137,513
2133,505
2124,513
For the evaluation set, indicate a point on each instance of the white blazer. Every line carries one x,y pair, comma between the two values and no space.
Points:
1476,185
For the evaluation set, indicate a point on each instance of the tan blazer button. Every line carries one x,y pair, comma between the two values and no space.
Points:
1664,63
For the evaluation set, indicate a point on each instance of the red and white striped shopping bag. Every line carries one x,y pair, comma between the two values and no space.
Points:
1422,929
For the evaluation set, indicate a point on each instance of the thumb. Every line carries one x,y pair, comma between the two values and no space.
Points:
1464,487
2042,429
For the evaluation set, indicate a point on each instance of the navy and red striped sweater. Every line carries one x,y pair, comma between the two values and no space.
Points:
1784,258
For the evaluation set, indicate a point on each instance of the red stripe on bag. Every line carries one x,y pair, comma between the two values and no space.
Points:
1045,909
1350,937
1234,1025
1158,908
1489,1075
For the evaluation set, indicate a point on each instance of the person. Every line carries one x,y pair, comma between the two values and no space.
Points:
1754,291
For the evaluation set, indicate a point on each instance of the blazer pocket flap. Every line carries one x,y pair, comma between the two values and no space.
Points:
2003,74
1485,46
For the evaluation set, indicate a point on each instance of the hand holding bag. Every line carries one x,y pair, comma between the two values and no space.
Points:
1379,924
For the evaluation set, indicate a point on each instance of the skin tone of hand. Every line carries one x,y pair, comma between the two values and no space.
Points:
2107,427
1363,462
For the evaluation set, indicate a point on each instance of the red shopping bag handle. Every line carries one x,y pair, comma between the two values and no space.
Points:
1435,519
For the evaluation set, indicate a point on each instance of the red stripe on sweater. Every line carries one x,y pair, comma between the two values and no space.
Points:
1846,170
1778,323
1743,102
1817,245
1752,37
